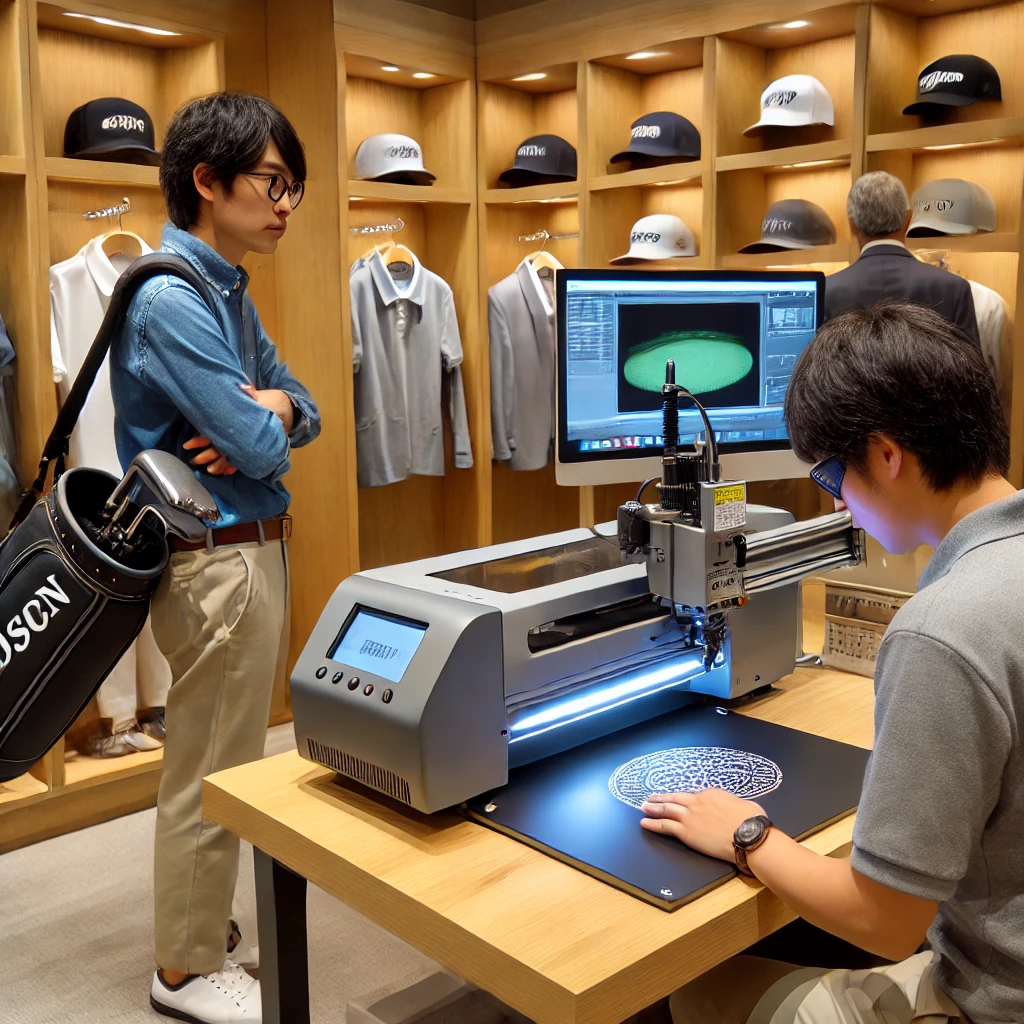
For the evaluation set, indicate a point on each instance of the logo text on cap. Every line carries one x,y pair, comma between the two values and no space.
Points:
941,205
124,121
403,153
647,131
780,98
532,151
776,225
934,78
644,236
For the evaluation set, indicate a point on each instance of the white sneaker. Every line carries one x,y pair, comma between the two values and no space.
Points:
229,996
241,952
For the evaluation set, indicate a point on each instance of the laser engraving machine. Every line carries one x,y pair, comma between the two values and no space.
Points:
428,681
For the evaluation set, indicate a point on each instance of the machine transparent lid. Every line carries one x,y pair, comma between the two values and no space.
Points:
541,568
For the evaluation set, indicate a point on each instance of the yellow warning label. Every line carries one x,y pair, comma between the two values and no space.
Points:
734,492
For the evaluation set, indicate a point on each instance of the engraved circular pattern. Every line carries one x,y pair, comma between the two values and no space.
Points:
693,769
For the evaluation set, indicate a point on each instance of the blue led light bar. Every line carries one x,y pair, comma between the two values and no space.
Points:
598,699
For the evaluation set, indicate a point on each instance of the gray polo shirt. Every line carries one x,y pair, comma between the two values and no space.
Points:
942,811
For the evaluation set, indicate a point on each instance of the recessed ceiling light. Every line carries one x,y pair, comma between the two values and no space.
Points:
389,67
536,76
644,54
423,74
121,24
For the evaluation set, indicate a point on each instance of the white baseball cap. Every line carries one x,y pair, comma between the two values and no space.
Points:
658,237
951,206
794,101
394,158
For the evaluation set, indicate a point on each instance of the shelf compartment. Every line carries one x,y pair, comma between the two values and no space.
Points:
670,174
789,158
989,241
551,193
838,254
101,172
386,191
1004,131
12,165
438,118
82,772
21,788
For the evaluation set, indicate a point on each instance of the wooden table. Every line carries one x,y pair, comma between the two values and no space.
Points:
550,941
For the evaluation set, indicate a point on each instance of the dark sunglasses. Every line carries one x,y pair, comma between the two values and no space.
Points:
828,475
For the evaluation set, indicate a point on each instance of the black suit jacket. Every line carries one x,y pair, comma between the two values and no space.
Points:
892,272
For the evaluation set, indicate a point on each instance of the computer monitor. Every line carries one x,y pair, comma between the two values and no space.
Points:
735,337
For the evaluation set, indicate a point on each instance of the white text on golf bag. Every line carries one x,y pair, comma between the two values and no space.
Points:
34,618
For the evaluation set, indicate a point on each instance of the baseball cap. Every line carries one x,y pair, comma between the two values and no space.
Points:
658,237
540,159
951,206
955,81
793,101
390,157
793,224
661,136
111,129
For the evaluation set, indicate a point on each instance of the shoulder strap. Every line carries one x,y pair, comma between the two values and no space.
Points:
128,284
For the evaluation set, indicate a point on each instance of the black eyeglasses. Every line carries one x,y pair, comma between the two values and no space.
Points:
828,475
277,186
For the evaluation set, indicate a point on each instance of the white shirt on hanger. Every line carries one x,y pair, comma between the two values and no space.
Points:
80,290
990,311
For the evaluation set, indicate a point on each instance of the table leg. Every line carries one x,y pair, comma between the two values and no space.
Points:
284,965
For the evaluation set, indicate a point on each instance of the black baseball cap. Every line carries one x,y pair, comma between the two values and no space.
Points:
540,159
955,81
111,129
661,137
793,224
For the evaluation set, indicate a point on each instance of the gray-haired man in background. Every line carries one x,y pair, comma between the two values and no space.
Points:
879,213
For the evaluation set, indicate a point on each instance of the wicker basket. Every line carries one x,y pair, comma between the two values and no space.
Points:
856,619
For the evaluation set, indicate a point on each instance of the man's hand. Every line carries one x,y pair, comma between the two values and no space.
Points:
276,401
704,821
215,463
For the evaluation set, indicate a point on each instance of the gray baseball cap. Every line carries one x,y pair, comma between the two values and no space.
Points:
951,206
793,224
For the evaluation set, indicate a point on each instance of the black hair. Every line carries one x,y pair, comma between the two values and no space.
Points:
230,131
904,371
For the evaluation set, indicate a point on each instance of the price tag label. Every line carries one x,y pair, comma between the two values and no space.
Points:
730,507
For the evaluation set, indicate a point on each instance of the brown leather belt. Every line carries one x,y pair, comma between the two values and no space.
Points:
260,531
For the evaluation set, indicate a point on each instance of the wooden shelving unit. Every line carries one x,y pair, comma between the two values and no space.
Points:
552,192
796,157
670,174
100,172
388,192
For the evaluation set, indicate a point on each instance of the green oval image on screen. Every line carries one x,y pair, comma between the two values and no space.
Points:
705,361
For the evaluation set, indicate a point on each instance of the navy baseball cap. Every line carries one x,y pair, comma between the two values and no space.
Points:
111,129
793,224
661,137
540,159
955,81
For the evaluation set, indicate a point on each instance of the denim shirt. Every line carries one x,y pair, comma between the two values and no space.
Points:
176,371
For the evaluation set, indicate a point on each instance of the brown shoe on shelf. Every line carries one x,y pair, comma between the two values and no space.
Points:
127,739
152,723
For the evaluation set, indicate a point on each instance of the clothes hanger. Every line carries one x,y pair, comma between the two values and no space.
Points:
542,260
399,254
122,242
381,247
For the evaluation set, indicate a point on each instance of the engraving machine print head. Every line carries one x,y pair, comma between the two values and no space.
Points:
793,224
951,206
111,129
794,101
658,138
954,81
658,237
541,159
390,157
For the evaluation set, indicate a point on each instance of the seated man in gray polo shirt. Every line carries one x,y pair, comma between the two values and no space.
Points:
901,413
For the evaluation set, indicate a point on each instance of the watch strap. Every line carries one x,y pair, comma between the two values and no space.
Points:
741,850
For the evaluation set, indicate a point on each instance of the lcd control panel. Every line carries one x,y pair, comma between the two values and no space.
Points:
377,642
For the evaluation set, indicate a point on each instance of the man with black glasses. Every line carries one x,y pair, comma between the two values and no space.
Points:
901,414
206,384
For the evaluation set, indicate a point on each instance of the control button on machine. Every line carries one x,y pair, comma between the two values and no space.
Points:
353,682
336,678
387,695
321,672
367,689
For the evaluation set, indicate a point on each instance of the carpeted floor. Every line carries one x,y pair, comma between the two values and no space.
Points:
76,931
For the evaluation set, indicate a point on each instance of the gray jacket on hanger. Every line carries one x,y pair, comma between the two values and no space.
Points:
521,323
403,343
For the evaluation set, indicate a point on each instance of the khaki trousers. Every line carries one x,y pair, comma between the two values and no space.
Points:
751,990
218,619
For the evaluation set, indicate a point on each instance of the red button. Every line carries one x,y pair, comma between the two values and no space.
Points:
367,689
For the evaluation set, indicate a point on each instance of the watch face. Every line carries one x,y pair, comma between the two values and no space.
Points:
749,830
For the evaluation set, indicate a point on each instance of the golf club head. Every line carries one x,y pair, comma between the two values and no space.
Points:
171,484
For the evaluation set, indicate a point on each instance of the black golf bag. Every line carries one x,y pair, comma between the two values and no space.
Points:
78,567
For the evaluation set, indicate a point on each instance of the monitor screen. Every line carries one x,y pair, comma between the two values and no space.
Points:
734,335
377,642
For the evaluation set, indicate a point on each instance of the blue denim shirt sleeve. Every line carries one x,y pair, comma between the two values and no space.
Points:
275,374
184,354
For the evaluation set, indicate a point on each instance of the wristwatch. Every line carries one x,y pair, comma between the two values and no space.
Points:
749,836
